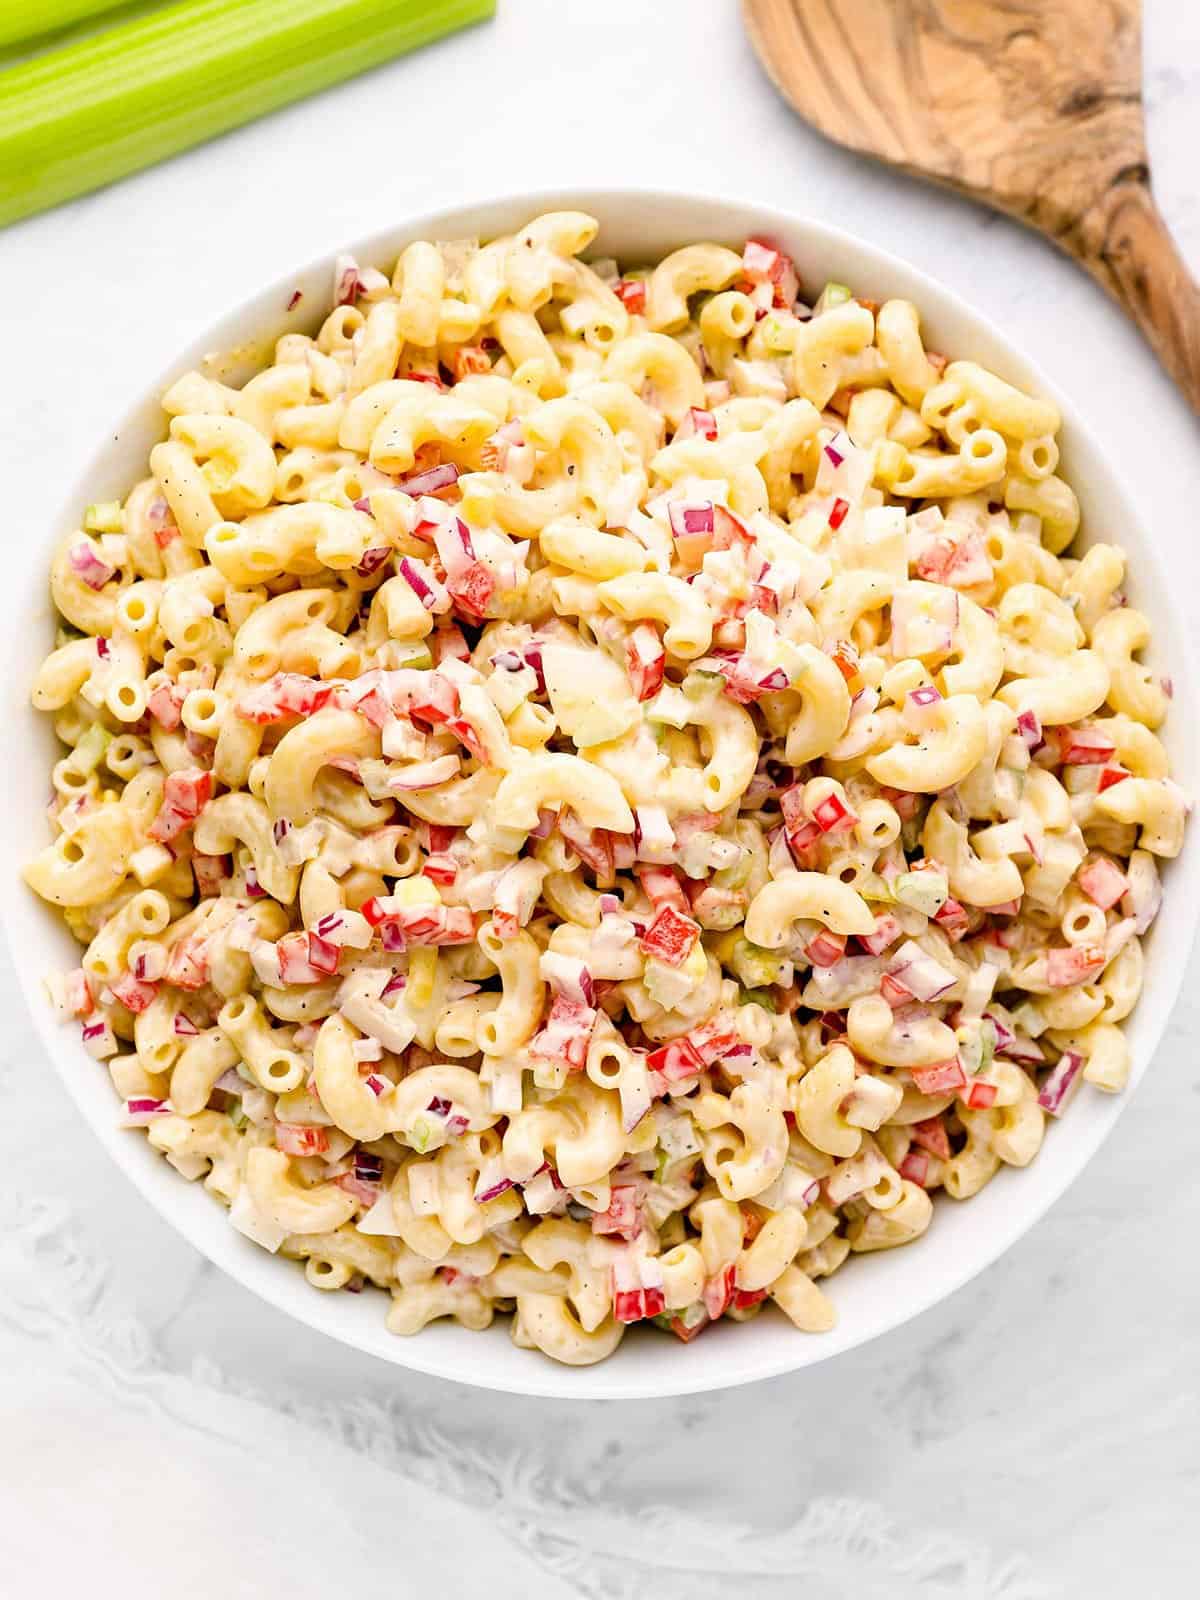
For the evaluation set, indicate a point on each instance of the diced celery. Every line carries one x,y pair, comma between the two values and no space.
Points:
987,1040
109,104
757,997
756,968
737,875
773,331
833,294
422,975
922,891
236,1115
104,517
416,656
677,1142
977,1046
700,683
420,1135
416,891
873,887
670,986
89,752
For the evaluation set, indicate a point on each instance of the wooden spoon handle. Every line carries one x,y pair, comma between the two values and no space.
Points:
1125,244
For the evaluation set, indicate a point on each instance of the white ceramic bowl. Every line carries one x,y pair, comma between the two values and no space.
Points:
873,1294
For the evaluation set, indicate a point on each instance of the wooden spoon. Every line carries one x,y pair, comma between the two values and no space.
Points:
1032,106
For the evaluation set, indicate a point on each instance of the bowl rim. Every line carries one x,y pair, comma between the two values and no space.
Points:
253,1268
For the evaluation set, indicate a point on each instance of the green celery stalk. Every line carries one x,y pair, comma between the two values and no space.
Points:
32,19
81,116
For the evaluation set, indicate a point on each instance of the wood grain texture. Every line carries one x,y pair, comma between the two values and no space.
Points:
1032,106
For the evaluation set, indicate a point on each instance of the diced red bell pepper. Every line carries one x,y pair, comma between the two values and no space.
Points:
467,360
791,804
567,1033
209,872
718,1292
902,802
942,1077
711,1041
915,1167
292,953
671,937
826,949
681,1331
299,1139
931,1135
465,733
185,794
763,263
831,816
440,869
286,695
953,920
730,530
1103,882
453,925
887,931
980,1096
323,955
697,424
662,887
79,997
448,642
187,964
631,292
804,843
593,846
132,993
894,992
1074,963
472,590
752,1226
743,1298
165,705
676,1061
645,660
845,658
435,701
1082,747
623,1217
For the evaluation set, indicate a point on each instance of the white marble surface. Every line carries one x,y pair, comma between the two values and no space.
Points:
1037,1434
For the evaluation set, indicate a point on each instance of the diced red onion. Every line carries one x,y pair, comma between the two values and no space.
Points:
430,480
920,973
690,517
86,564
568,976
1053,1094
419,585
373,559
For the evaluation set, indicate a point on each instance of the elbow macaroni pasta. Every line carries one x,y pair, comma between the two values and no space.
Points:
592,797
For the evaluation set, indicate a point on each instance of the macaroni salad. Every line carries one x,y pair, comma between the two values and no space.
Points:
595,795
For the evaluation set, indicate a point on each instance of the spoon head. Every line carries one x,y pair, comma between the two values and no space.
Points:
1033,106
